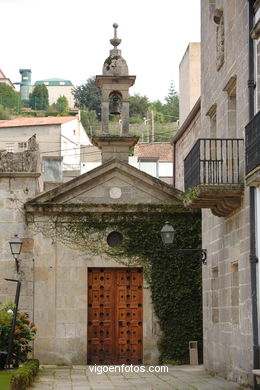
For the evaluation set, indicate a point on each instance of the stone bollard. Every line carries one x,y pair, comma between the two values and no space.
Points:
193,348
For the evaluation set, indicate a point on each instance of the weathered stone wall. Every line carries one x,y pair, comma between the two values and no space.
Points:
54,281
19,181
60,301
226,277
54,277
15,189
27,161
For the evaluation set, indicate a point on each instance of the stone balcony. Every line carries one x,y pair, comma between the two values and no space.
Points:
213,175
256,372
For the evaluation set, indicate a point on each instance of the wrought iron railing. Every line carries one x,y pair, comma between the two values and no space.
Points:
252,138
214,161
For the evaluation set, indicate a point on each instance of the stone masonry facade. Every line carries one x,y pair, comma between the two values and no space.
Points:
226,278
15,189
222,112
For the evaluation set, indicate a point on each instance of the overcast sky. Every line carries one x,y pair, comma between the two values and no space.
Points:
69,39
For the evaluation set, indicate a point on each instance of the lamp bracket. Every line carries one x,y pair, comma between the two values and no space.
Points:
17,264
201,252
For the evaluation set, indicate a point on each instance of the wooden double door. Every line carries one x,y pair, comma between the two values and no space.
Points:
115,316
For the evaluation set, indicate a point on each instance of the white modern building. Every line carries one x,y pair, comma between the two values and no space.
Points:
57,88
59,139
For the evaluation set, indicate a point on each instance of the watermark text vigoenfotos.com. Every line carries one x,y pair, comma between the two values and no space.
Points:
98,369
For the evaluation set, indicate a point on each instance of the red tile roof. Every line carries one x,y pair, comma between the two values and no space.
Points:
49,120
160,150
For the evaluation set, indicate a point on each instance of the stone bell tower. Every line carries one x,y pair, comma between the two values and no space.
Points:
115,83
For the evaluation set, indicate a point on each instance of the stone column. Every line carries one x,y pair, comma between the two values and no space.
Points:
125,118
105,117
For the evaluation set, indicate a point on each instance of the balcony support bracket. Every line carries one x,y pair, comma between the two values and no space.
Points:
222,199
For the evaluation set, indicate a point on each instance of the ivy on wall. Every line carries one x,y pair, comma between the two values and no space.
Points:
175,280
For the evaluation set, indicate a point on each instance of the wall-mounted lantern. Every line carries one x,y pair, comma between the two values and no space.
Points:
167,234
16,247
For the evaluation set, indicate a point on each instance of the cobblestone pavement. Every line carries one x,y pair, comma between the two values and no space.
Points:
177,378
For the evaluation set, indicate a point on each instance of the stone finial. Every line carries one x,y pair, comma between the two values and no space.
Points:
33,146
115,41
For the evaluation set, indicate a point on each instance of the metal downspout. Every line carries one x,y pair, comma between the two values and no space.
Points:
253,262
174,164
252,256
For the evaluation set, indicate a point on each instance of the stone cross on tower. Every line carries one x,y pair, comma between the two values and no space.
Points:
115,83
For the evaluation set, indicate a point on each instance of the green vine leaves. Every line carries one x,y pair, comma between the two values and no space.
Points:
175,280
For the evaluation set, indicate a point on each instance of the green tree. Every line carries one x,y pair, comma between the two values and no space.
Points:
8,97
168,111
39,98
88,119
5,113
159,111
88,95
172,105
62,105
138,106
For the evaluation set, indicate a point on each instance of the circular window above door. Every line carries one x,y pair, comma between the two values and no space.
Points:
115,239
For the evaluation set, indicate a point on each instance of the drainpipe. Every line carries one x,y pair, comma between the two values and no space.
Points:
174,164
252,257
253,266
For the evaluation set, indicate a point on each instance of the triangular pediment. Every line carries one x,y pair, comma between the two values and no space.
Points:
114,182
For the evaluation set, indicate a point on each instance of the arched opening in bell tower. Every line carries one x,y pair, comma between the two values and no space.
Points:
115,103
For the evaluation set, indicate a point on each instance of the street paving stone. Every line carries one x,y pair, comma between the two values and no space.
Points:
81,378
